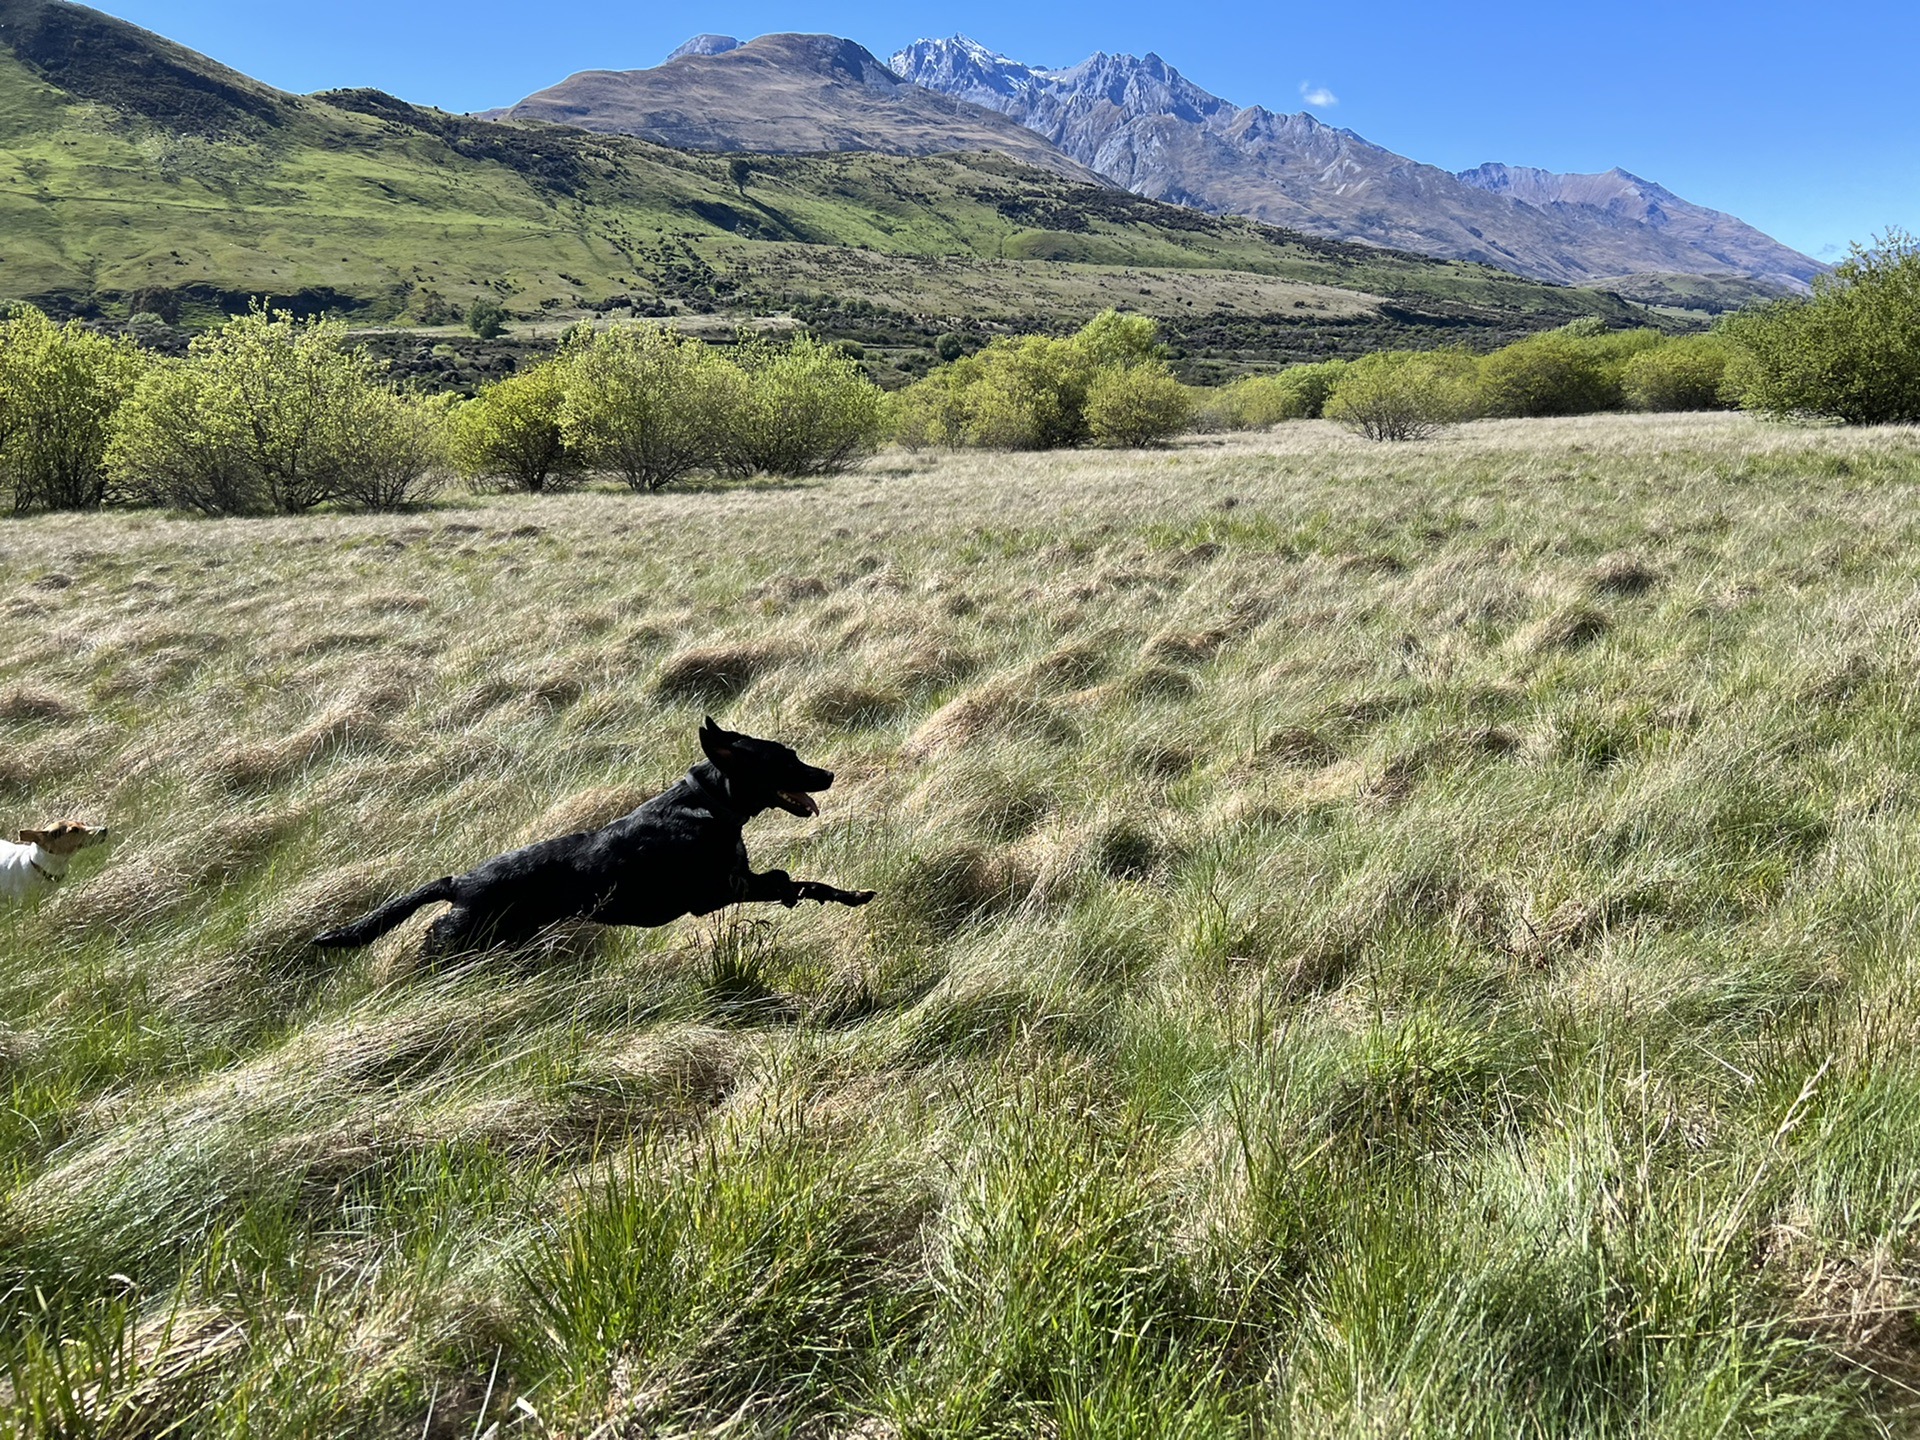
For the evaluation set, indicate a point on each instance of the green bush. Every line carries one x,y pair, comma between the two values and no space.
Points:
1575,370
1260,401
806,409
1111,338
487,318
267,414
648,403
1683,374
60,387
932,412
510,433
1850,352
396,449
1549,374
1023,393
1403,395
1029,394
1138,405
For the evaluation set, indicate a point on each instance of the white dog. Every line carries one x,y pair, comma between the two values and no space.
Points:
39,862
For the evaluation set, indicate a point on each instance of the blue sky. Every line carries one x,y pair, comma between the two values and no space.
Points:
1798,119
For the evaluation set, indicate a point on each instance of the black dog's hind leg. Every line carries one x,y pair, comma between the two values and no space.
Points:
468,930
778,887
461,931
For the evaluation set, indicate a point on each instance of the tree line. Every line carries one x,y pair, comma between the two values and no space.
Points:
271,414
1848,352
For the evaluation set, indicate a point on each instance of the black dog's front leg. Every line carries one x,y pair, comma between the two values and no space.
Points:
824,893
778,887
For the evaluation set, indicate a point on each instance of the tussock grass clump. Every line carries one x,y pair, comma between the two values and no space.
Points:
714,673
948,887
851,705
31,703
993,713
1308,994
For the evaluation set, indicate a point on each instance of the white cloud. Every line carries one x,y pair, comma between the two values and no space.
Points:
1318,96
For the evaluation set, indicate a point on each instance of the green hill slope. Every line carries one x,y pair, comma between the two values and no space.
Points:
137,175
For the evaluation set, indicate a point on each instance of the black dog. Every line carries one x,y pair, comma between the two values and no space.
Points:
681,853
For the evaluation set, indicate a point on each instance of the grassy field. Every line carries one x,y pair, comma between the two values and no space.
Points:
1373,941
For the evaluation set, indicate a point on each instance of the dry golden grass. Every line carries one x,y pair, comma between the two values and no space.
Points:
1371,940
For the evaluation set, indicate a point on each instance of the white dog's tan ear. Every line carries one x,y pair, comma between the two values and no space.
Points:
33,837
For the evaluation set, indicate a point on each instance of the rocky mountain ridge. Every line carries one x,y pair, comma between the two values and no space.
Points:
1145,126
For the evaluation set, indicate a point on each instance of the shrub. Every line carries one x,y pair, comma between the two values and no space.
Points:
1028,394
1682,374
648,403
261,417
806,409
487,318
1398,395
59,389
1111,338
1575,370
932,411
1137,405
396,452
510,433
1023,393
1850,352
1259,401
950,347
1551,374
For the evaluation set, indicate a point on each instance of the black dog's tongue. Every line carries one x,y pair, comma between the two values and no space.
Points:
800,801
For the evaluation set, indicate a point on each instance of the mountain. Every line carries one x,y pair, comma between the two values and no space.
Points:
1143,125
783,94
1623,202
137,176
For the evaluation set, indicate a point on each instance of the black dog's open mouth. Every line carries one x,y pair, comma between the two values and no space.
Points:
797,802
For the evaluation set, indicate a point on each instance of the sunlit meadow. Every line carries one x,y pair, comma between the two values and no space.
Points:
1373,941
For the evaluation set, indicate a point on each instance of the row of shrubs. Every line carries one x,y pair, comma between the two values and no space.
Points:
1850,352
1580,369
269,414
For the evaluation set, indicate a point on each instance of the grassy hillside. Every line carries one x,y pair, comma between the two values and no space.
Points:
1408,940
1692,294
135,176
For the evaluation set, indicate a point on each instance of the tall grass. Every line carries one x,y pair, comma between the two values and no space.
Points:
1370,943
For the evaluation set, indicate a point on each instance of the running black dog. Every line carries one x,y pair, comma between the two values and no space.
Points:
681,853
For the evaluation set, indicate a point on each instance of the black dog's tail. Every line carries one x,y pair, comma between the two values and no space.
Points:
369,928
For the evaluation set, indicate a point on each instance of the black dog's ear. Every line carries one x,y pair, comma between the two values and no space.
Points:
716,742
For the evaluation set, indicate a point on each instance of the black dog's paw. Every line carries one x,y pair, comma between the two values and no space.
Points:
858,897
